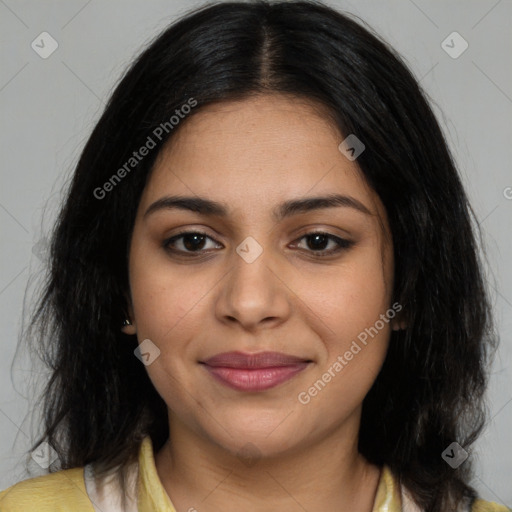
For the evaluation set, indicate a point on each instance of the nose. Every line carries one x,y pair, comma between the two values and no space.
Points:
254,294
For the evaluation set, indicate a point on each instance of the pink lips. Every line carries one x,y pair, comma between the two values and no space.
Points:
254,372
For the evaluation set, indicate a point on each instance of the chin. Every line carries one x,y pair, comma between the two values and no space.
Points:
244,440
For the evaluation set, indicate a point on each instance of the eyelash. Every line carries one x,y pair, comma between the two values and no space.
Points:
343,244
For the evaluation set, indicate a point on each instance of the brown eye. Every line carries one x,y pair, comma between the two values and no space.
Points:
190,242
318,241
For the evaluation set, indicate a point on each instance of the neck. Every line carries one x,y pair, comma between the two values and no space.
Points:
328,475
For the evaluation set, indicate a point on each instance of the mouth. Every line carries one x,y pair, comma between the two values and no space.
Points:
254,372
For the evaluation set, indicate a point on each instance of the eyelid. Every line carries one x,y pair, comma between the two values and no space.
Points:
342,243
181,234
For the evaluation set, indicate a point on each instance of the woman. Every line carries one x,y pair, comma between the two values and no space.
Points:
208,352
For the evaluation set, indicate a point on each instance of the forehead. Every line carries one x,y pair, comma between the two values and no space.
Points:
255,153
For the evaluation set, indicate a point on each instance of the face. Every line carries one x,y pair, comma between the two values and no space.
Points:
251,277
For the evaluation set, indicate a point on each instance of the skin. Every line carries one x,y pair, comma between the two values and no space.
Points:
252,155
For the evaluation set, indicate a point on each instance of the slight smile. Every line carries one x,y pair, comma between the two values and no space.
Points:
254,372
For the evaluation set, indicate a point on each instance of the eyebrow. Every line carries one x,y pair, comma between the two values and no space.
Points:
286,209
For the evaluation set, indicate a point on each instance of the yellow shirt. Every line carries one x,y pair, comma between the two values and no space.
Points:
65,491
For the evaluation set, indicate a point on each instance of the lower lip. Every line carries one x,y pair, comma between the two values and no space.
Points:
259,379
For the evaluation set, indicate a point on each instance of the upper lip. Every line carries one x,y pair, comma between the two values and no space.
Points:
259,360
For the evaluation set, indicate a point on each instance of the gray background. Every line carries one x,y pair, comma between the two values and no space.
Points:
49,107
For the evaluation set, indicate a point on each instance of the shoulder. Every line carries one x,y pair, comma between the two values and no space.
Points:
488,506
63,491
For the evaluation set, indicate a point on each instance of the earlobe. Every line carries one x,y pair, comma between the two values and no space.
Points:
398,324
128,327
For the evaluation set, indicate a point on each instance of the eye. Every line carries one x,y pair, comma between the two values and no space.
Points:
190,242
319,239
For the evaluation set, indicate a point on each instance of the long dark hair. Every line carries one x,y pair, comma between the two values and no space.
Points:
100,403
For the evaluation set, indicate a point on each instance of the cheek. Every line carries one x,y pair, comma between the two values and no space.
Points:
166,304
355,336
162,294
349,302
355,342
347,299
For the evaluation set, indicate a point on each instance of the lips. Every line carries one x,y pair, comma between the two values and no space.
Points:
254,372
252,361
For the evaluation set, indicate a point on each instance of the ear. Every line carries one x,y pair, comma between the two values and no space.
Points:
399,323
129,326
399,326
